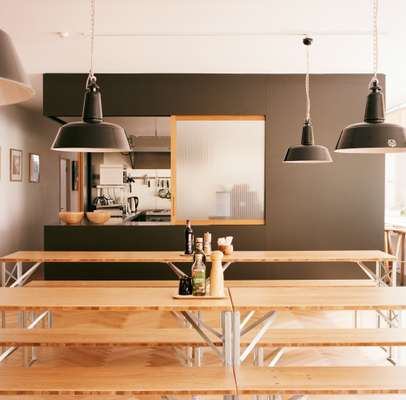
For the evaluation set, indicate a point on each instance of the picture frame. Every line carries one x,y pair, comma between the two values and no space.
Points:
34,167
16,165
75,176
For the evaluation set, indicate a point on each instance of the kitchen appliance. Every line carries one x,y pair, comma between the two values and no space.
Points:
146,144
150,144
133,202
101,201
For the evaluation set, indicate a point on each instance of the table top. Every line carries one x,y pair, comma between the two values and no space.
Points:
315,299
102,299
161,299
178,256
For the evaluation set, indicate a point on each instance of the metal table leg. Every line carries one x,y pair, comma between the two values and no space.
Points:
197,358
16,278
236,338
199,329
226,325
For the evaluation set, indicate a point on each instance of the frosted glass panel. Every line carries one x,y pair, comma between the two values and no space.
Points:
220,169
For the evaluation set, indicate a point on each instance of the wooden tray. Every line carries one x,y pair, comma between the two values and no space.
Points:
190,297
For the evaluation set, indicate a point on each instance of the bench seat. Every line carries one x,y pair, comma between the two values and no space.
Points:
321,380
104,337
142,337
202,381
117,381
329,337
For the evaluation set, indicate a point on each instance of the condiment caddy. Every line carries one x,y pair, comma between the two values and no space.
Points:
196,286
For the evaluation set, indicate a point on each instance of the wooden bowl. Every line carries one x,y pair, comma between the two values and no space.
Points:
98,217
71,218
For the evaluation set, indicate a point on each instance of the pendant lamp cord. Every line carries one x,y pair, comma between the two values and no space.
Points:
307,42
375,4
91,77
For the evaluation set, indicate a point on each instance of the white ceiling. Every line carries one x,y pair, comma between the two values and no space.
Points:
223,36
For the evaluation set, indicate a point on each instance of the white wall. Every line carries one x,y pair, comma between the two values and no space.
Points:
26,207
395,174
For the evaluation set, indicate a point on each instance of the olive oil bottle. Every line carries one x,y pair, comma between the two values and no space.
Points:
199,276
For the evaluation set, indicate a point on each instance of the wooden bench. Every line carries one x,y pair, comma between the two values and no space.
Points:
329,337
140,337
228,283
203,381
155,337
321,380
117,381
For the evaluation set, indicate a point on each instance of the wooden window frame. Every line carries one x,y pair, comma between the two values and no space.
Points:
174,119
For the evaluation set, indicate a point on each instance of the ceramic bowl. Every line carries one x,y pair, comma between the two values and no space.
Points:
70,217
98,217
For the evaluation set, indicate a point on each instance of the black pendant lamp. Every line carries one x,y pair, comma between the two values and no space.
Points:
91,134
374,135
14,85
307,151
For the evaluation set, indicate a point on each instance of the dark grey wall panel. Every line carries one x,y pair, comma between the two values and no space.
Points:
334,206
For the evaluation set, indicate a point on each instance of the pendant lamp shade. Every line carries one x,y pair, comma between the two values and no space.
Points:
91,134
308,152
374,135
14,85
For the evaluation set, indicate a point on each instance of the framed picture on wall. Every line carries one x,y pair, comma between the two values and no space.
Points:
75,175
34,167
16,165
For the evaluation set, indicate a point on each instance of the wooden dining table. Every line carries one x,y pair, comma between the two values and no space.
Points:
12,271
135,299
249,300
282,299
13,275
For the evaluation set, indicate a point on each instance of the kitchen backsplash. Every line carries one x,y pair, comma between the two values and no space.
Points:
146,187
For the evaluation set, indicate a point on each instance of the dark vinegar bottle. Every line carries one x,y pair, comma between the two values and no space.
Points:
188,238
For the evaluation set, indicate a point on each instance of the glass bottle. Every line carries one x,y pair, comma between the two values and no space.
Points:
188,238
199,276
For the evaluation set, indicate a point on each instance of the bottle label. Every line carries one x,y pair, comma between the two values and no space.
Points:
199,283
189,244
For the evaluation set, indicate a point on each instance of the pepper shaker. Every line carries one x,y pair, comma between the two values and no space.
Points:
207,243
